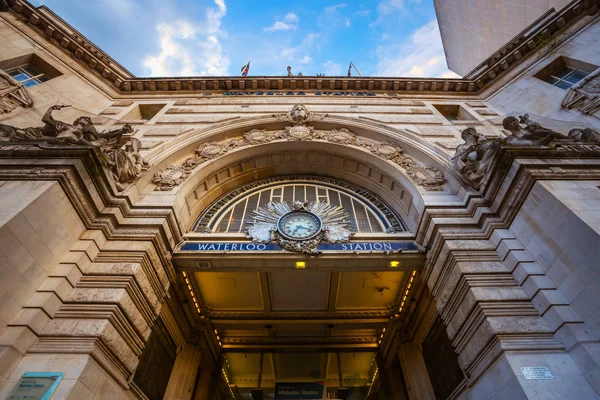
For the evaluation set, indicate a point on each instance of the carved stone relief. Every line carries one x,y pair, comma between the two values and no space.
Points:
12,94
429,178
120,153
584,95
475,158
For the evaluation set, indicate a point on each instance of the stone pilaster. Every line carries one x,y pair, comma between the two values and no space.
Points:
185,372
415,373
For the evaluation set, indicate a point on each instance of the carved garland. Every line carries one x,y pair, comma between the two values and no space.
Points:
429,178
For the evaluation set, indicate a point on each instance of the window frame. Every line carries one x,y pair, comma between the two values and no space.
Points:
562,82
39,78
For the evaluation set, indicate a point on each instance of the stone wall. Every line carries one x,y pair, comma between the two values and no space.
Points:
523,92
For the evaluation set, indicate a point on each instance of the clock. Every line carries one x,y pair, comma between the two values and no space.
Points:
299,225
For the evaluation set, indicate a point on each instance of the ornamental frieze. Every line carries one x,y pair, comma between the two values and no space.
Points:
429,178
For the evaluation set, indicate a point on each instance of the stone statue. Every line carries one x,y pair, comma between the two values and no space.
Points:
584,135
474,158
289,71
12,93
532,135
121,156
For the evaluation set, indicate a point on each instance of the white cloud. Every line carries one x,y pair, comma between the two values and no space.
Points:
305,60
334,8
290,22
191,49
290,52
331,68
420,55
347,22
362,13
390,6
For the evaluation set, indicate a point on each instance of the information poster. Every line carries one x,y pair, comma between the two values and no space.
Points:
299,390
36,386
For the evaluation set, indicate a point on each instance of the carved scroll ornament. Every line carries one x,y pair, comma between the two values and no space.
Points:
584,95
12,94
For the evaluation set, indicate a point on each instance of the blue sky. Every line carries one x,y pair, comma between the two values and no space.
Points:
217,37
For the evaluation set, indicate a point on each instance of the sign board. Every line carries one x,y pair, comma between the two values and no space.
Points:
36,385
536,373
249,246
299,390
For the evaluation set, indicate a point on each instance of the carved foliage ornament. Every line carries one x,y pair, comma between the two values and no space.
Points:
429,178
300,227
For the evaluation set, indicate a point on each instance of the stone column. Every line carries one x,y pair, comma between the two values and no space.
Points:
185,372
415,373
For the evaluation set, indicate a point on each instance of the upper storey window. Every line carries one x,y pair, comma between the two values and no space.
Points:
454,113
28,74
566,77
565,72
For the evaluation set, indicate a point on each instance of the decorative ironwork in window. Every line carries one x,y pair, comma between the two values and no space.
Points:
233,212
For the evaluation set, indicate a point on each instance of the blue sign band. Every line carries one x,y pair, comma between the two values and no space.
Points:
351,246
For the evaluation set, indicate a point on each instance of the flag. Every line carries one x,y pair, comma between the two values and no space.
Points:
349,66
245,69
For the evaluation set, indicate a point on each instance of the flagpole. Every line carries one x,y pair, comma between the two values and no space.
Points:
356,69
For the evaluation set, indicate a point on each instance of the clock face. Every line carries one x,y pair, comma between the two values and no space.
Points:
299,225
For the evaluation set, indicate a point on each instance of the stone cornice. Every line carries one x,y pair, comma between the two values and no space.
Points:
86,53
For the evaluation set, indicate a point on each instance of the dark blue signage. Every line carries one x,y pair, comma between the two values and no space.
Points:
249,246
299,391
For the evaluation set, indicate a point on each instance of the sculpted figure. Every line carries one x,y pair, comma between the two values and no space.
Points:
474,158
121,158
585,135
289,70
532,135
12,93
299,113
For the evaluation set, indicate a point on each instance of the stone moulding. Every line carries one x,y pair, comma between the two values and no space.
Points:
429,178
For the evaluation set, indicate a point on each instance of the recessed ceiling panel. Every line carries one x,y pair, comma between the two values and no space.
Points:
230,291
299,290
300,366
365,290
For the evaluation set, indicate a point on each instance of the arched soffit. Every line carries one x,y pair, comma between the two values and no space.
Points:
244,165
412,144
233,212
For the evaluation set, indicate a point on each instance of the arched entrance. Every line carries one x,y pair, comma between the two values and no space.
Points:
333,315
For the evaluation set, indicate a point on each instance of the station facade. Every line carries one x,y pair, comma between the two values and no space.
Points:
262,237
